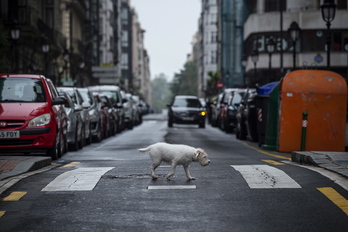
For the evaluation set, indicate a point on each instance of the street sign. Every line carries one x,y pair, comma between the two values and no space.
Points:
220,85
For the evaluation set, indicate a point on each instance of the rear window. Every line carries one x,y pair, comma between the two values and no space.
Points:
187,102
21,90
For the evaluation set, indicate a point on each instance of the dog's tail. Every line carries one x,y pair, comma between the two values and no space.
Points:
144,149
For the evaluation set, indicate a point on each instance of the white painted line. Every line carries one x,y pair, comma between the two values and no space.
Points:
81,179
172,187
265,176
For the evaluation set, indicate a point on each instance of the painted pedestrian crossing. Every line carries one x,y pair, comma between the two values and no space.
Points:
256,176
80,179
265,177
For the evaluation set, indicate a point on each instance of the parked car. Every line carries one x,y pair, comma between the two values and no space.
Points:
129,112
94,114
138,118
77,98
247,116
186,110
32,116
75,124
105,117
115,92
113,115
221,102
228,117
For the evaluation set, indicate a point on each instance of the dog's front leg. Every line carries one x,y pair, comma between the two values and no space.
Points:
172,171
186,168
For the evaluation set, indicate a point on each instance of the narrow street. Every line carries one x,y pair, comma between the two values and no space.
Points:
107,187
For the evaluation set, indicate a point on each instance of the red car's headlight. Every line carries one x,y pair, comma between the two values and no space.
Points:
41,120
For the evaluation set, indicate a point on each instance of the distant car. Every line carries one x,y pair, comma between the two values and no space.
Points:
186,110
115,92
94,114
32,116
75,124
77,98
228,115
247,116
113,115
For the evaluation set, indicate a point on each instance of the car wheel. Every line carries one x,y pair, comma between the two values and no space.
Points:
201,125
75,145
53,152
170,123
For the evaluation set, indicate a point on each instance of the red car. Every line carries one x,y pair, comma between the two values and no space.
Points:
32,116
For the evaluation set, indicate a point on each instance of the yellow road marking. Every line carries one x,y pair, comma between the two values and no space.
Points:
14,196
267,153
70,165
2,213
273,162
336,198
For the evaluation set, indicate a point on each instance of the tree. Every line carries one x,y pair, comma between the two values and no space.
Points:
160,93
212,83
185,82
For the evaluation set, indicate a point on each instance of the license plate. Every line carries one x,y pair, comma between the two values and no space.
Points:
188,118
9,134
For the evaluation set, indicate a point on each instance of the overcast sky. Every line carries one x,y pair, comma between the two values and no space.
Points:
170,26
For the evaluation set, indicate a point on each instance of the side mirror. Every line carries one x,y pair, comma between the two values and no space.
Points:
59,101
168,105
78,108
86,105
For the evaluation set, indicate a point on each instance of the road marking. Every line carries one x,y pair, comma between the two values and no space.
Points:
273,162
70,165
14,196
155,187
265,152
265,176
81,179
336,198
2,213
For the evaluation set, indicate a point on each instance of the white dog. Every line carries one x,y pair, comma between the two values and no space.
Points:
175,154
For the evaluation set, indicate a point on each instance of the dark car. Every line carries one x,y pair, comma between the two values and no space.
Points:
228,117
247,117
186,110
32,116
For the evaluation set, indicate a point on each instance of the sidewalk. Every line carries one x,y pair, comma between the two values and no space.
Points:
16,165
333,161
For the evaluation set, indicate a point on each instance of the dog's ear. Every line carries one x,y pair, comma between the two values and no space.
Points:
198,151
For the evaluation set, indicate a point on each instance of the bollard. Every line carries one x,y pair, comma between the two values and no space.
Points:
304,130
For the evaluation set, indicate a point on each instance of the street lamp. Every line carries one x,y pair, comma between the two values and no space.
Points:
66,60
255,59
15,33
45,50
294,31
244,64
328,10
81,66
270,46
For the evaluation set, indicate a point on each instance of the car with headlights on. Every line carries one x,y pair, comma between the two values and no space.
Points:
186,110
32,116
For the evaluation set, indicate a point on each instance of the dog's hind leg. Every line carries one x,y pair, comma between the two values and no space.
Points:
186,168
153,168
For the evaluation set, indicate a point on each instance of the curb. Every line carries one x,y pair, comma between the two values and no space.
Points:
26,164
319,159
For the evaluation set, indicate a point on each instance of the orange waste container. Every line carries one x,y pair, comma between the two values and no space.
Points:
323,95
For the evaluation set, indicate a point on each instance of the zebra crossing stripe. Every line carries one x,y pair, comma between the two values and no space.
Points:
81,179
157,187
265,177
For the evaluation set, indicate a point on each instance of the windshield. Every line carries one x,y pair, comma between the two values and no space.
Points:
21,90
187,102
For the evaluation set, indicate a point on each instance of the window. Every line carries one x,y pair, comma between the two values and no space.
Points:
275,5
124,16
124,61
213,57
213,37
124,40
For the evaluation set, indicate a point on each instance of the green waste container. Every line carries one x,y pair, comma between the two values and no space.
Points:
271,133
